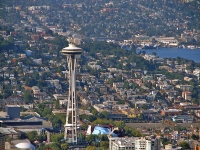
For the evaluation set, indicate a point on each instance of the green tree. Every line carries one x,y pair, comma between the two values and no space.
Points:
126,85
42,137
64,146
8,139
56,104
57,137
46,111
195,137
60,69
184,145
90,138
54,146
104,144
103,114
90,148
32,136
49,32
28,97
133,49
23,136
94,111
102,121
165,141
30,81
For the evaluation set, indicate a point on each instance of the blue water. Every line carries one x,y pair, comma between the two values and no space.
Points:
190,54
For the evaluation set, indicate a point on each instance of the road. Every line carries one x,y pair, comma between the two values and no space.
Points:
160,125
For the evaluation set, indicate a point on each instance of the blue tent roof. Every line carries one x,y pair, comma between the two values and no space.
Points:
101,130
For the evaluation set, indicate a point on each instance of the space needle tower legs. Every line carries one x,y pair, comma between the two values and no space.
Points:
72,127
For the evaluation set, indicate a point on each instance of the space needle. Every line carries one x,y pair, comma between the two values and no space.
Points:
72,127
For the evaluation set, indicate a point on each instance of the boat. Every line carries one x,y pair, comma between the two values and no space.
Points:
150,47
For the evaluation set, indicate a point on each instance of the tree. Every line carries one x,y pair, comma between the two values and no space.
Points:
133,49
41,137
184,145
165,141
49,32
53,146
120,102
32,136
90,138
90,148
120,124
23,136
104,144
8,139
6,45
60,68
94,111
30,81
195,137
28,97
126,85
56,104
46,111
57,137
103,114
91,118
64,146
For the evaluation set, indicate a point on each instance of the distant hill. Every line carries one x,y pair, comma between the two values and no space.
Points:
117,19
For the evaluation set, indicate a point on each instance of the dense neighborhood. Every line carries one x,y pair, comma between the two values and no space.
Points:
139,97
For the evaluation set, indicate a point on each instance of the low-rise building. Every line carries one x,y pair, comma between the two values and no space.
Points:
182,118
187,95
169,41
118,85
171,112
130,113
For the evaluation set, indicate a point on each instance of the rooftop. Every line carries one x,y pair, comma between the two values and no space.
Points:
7,130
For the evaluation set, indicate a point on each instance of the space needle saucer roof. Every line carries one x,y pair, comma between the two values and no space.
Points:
71,49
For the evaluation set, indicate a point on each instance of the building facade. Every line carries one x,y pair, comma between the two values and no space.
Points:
2,141
134,143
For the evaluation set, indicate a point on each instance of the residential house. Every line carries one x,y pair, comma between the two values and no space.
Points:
185,87
171,112
130,113
118,85
187,95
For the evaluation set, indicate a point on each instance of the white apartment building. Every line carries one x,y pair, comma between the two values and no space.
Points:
142,144
170,41
134,143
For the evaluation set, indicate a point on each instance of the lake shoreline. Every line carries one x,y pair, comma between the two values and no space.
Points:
190,54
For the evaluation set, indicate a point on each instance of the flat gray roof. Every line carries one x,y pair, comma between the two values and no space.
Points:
8,130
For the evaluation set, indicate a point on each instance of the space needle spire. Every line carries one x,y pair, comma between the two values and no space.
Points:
72,127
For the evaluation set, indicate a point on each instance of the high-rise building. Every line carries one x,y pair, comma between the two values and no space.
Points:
72,126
